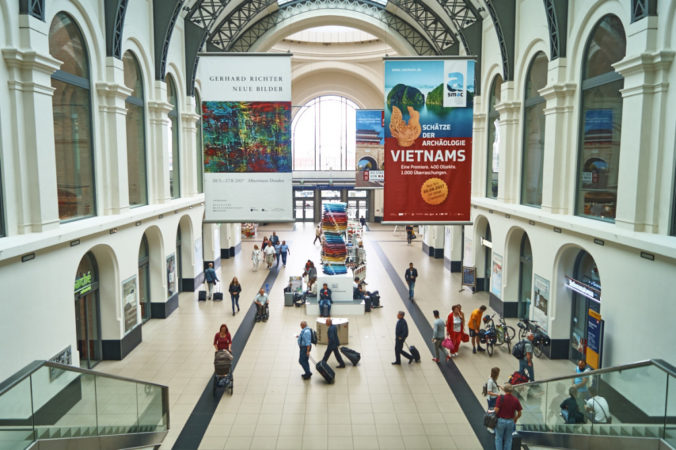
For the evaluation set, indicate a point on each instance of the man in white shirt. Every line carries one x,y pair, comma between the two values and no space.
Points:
597,409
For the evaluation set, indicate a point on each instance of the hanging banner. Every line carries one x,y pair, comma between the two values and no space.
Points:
246,130
594,348
428,140
370,157
496,276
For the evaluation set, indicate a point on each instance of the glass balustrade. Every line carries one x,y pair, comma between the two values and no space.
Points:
53,401
636,400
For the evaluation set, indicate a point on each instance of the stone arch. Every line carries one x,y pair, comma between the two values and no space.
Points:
512,271
481,224
133,45
158,287
526,58
109,290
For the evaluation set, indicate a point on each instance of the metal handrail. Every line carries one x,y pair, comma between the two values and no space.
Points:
33,367
660,364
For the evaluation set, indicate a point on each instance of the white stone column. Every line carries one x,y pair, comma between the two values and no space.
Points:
30,165
479,152
160,145
559,162
644,180
509,152
189,121
113,182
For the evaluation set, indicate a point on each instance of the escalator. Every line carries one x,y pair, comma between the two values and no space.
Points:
625,407
47,406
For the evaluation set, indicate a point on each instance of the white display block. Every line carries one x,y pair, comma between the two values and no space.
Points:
342,326
352,308
340,285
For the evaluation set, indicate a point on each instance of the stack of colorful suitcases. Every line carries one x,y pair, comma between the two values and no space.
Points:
334,224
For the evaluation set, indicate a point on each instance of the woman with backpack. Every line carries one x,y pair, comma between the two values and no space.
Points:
491,388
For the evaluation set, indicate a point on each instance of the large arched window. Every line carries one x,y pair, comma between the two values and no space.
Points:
174,162
534,132
136,142
493,141
71,106
199,150
324,134
601,121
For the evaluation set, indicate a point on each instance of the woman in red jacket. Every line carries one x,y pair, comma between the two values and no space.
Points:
222,340
455,328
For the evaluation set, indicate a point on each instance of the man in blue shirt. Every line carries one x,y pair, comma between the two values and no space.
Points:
411,275
325,300
581,383
438,335
401,333
284,250
211,279
333,344
305,344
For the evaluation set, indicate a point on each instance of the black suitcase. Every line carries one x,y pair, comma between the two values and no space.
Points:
202,296
326,371
415,353
352,355
367,304
218,296
375,299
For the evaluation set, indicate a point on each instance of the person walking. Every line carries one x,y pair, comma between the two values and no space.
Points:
411,275
269,253
474,326
507,410
334,342
325,301
526,363
265,243
278,253
305,345
211,279
362,221
409,234
274,239
284,251
582,382
438,335
222,339
318,234
235,288
492,388
256,256
401,333
455,327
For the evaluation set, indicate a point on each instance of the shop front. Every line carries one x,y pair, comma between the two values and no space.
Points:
585,286
87,312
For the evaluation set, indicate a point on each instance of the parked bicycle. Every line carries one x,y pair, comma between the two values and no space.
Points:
503,332
489,335
540,338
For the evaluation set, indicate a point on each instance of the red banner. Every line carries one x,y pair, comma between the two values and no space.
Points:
428,182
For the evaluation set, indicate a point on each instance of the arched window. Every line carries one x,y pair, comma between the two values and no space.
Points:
601,121
492,151
71,106
534,132
136,142
324,134
174,161
199,150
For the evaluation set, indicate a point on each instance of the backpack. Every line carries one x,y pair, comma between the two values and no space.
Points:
519,350
518,378
484,389
313,337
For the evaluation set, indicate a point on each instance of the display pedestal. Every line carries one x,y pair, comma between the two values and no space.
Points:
322,330
351,308
340,285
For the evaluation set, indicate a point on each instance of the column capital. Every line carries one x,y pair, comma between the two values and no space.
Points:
189,118
159,108
30,60
113,90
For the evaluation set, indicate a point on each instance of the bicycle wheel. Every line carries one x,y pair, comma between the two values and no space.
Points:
522,333
510,333
499,335
489,347
537,349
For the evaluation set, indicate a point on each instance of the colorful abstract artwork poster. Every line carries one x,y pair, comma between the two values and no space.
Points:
246,136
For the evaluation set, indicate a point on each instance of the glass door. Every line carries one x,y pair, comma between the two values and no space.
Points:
304,205
87,329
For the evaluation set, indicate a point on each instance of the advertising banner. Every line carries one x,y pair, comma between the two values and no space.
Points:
594,339
130,304
428,140
370,157
496,275
540,301
246,129
171,275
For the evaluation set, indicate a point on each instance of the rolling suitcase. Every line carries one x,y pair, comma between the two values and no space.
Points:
202,296
375,299
414,352
367,303
352,355
218,295
326,371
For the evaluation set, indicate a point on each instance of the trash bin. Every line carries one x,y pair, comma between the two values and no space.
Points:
288,298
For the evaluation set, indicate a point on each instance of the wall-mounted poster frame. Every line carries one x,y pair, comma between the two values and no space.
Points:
469,276
129,303
171,275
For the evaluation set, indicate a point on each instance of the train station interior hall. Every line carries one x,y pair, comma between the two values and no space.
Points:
105,230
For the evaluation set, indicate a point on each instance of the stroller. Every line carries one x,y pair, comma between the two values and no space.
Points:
222,371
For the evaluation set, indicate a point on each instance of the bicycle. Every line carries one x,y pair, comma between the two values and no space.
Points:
526,326
540,338
505,333
488,336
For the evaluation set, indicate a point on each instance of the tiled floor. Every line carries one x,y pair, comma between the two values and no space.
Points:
371,406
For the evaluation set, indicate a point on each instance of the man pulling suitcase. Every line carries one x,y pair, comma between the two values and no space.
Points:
333,344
